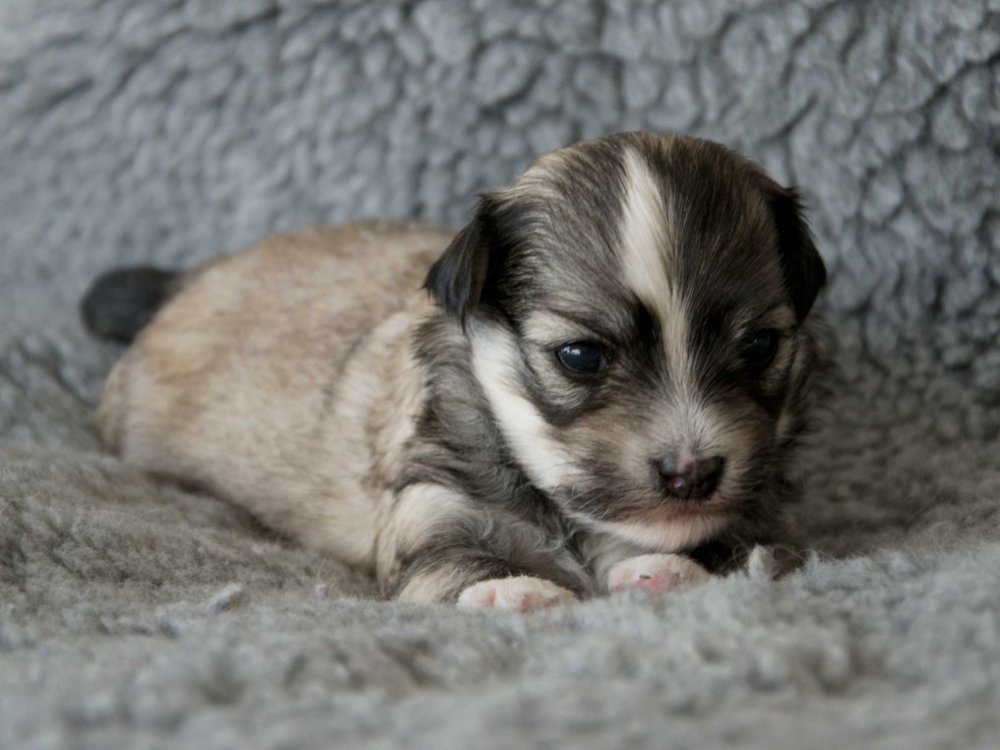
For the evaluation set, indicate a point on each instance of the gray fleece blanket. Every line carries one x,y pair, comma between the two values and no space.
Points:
135,614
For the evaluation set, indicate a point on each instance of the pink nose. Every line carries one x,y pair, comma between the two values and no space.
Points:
690,478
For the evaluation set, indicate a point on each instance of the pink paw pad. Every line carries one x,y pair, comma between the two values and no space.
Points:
656,574
516,594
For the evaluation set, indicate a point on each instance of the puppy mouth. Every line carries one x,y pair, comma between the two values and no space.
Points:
647,506
660,507
686,511
680,514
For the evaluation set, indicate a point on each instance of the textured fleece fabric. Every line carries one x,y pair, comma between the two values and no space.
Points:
134,614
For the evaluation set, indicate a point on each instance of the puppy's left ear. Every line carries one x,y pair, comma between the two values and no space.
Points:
801,264
457,278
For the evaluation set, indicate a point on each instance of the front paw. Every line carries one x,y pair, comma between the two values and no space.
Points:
516,594
656,574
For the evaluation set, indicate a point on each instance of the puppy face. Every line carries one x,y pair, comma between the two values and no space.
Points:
636,308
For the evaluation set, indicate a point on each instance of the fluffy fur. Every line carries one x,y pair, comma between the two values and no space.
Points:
446,445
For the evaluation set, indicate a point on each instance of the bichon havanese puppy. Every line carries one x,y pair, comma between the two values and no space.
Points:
596,384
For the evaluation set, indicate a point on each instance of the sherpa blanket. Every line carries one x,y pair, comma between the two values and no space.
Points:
134,614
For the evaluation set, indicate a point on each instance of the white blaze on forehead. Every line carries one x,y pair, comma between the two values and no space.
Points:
644,231
649,256
494,359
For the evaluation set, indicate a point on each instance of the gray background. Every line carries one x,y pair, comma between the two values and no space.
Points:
133,613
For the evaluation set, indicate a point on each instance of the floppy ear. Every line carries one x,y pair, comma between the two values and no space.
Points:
801,263
457,278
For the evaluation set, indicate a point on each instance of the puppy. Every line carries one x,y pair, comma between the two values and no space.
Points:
602,389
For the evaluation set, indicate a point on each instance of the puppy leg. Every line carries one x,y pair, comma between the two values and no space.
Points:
474,580
436,546
656,574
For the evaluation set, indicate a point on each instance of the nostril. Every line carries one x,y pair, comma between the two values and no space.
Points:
677,485
691,478
676,476
710,472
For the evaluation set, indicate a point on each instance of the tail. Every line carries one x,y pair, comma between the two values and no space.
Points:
121,302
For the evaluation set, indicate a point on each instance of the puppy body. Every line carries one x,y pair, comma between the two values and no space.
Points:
514,436
282,378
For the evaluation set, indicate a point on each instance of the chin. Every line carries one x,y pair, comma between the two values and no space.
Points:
675,533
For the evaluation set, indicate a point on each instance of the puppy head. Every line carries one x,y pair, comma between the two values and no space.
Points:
637,312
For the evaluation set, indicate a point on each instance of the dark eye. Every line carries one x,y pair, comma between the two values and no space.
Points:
759,349
582,357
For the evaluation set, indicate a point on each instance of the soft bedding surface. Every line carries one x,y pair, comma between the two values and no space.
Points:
135,614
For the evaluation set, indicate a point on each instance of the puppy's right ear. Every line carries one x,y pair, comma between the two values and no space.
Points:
457,278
